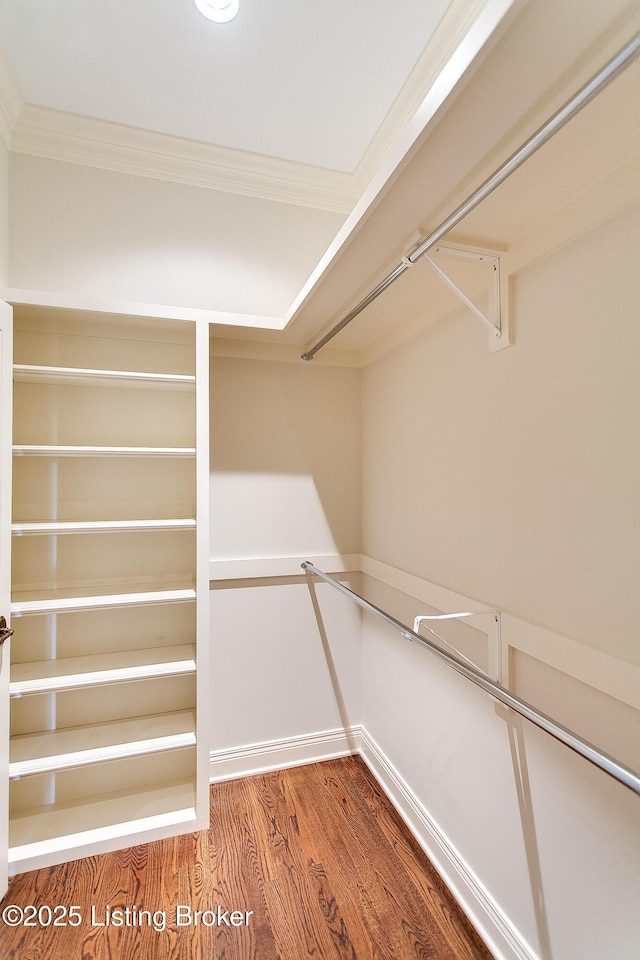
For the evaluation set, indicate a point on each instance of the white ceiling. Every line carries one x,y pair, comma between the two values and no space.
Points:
300,80
388,115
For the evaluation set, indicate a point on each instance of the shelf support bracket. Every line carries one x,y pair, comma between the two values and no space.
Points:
495,653
493,322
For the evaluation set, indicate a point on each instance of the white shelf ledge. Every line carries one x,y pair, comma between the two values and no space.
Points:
20,608
73,673
33,373
55,528
39,834
71,450
66,749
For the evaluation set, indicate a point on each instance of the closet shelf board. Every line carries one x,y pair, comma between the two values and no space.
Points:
71,747
70,450
56,528
46,830
34,373
21,608
72,673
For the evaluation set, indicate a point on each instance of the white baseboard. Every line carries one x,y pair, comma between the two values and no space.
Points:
489,920
286,752
484,913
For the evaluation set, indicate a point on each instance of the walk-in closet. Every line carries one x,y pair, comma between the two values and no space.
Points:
319,476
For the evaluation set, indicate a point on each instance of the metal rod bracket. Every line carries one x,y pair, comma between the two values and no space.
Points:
494,643
497,290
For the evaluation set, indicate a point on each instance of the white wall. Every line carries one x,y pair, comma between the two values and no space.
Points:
285,482
82,231
513,478
280,671
541,848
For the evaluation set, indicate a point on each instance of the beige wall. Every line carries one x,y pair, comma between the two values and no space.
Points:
4,213
285,451
513,477
82,231
285,482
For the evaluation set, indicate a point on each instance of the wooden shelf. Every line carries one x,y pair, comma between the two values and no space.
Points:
23,607
68,450
73,673
44,832
67,748
34,373
57,528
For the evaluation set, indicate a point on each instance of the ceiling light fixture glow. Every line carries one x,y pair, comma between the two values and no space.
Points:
220,11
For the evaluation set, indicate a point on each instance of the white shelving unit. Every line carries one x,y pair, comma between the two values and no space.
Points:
110,582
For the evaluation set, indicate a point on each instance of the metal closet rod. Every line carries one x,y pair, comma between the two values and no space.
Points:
540,137
624,775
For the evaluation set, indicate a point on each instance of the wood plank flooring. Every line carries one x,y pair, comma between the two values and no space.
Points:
310,862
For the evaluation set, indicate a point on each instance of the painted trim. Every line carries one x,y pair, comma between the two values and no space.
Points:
133,308
67,137
70,138
6,483
203,595
617,678
430,593
453,59
246,761
614,677
459,18
483,911
254,569
278,352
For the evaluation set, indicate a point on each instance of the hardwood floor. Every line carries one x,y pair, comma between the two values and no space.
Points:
310,862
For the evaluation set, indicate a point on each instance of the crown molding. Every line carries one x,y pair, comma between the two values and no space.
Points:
65,301
457,42
56,135
456,23
11,101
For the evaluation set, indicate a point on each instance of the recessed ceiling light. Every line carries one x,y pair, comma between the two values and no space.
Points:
220,11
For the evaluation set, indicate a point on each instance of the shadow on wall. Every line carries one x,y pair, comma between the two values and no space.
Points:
285,459
522,781
332,669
